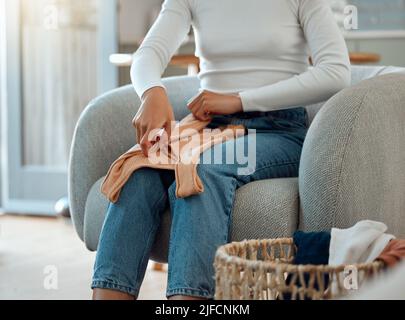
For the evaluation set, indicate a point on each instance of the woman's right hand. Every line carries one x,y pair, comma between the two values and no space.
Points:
156,112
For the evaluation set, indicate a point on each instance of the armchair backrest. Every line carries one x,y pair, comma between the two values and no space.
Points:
359,73
180,90
353,161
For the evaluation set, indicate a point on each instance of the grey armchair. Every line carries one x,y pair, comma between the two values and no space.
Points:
352,168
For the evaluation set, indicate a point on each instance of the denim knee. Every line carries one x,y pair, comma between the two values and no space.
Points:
143,176
142,182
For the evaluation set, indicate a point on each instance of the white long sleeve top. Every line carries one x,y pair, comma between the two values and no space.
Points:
258,49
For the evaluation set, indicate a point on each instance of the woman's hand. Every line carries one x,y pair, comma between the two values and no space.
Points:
210,103
155,113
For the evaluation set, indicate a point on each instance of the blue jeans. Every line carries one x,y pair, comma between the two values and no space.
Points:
201,223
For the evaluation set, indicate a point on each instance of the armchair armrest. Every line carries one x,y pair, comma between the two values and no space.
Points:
105,131
353,161
266,209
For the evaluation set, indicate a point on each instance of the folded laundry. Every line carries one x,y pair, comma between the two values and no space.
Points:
393,253
181,153
363,242
312,247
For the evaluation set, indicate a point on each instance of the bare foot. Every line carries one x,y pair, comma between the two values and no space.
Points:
102,294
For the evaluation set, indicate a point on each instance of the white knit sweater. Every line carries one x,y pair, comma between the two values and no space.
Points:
257,48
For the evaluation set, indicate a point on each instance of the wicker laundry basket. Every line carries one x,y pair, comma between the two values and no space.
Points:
263,270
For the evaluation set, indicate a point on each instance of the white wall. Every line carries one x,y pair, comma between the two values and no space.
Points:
1,195
135,18
2,43
0,130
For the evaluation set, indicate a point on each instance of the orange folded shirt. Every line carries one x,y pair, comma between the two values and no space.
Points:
393,253
181,153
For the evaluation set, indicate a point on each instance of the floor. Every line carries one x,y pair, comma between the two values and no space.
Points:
42,258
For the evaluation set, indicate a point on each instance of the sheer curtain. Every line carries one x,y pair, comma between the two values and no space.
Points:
2,81
59,43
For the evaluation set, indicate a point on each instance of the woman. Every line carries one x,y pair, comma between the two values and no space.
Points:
254,71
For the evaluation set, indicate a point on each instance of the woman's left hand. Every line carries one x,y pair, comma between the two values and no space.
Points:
209,103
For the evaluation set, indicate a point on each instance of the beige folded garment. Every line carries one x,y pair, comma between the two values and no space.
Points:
188,141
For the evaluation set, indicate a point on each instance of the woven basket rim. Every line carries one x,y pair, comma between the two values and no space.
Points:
223,256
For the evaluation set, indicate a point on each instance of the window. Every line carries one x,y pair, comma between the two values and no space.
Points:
381,14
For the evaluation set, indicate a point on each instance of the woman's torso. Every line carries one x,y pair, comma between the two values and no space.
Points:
248,44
